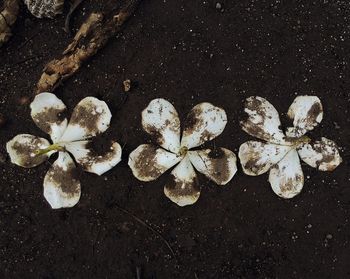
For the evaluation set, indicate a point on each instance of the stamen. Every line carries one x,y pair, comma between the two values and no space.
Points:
183,151
52,147
301,140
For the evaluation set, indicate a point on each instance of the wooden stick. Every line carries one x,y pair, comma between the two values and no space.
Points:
91,36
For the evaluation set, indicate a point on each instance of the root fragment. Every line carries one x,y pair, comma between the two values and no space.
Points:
91,36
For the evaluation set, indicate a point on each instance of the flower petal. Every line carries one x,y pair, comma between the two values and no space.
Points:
90,117
204,123
286,177
182,187
92,161
61,184
148,162
306,112
48,113
263,120
22,150
258,157
218,165
160,119
323,154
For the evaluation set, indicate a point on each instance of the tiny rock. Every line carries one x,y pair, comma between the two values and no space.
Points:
24,100
218,6
127,85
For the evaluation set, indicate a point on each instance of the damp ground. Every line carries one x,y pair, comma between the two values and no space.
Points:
187,52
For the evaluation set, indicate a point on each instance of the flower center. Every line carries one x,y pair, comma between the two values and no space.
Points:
52,147
300,141
183,151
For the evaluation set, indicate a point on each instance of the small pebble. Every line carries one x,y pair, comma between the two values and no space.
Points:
218,6
127,85
24,100
329,236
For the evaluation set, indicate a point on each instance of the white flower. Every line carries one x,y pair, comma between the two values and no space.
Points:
279,153
89,118
204,123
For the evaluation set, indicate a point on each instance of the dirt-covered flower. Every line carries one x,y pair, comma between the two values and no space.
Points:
204,123
280,152
89,118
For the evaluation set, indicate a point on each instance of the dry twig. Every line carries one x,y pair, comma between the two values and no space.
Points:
92,36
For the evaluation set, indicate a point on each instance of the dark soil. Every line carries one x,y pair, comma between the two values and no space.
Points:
186,52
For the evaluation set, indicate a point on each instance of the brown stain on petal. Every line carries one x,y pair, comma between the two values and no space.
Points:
219,165
146,163
254,157
289,185
174,125
175,187
313,113
66,180
255,129
327,158
48,117
206,136
155,134
98,153
27,153
253,104
252,164
87,117
192,121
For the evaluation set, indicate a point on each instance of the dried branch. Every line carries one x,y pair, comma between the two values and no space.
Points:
8,18
91,36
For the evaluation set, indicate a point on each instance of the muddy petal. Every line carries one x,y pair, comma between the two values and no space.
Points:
90,160
182,187
204,123
263,120
148,162
90,117
306,113
323,155
61,183
49,114
258,157
286,177
22,150
218,165
161,121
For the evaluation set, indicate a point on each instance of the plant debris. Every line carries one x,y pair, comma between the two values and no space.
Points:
8,17
93,34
